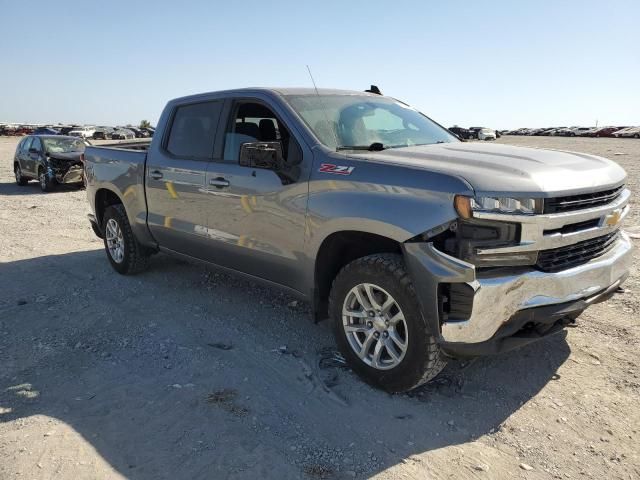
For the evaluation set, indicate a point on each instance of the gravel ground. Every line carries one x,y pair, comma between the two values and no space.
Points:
185,372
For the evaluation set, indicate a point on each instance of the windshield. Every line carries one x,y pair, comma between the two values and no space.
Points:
341,121
63,145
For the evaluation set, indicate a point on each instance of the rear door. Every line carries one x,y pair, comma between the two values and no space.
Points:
23,156
175,177
256,216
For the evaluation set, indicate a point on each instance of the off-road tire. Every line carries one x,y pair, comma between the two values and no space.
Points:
136,256
20,179
423,359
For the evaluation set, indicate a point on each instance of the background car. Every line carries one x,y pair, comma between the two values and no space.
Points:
103,133
631,132
51,159
460,132
84,132
45,131
583,131
64,130
123,134
139,133
486,134
605,131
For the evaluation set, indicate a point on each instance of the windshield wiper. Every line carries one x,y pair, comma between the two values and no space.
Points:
374,147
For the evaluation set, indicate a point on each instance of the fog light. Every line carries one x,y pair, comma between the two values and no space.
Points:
506,259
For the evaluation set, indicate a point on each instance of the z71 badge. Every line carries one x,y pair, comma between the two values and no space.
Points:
336,169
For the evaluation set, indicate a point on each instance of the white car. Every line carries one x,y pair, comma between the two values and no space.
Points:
628,132
582,131
84,132
486,134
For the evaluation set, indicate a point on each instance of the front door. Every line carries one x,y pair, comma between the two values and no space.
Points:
34,156
256,216
175,178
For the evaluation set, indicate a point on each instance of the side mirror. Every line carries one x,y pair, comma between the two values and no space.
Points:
262,155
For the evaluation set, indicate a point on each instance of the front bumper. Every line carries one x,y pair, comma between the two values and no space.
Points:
505,296
71,175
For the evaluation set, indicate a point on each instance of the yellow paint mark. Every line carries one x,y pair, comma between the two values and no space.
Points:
129,191
333,185
167,222
244,201
171,189
254,200
242,240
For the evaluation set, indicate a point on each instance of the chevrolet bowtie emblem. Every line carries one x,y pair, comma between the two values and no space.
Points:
613,218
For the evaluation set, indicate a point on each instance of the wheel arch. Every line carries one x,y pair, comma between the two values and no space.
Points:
336,251
103,199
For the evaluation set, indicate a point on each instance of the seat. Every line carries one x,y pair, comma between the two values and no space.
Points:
268,130
248,128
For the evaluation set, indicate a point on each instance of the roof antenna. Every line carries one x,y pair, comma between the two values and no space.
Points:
324,111
374,89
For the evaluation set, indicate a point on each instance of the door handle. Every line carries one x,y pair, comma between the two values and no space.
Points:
219,182
156,175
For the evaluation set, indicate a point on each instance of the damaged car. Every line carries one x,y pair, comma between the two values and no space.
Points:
49,159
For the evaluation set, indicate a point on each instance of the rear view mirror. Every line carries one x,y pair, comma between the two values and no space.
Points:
261,155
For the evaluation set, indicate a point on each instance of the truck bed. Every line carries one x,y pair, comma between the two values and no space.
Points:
142,144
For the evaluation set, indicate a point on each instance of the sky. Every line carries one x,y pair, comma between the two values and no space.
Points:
500,64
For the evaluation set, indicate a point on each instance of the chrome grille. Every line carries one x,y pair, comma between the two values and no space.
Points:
578,202
562,258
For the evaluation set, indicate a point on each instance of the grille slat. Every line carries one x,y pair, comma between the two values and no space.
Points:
578,202
557,259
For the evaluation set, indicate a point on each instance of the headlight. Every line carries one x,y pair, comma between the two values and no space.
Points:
466,206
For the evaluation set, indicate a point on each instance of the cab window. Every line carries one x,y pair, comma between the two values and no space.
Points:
254,122
193,130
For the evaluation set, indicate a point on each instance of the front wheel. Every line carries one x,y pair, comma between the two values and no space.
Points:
379,327
46,183
125,254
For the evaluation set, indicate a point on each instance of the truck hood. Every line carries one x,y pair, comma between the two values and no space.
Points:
498,168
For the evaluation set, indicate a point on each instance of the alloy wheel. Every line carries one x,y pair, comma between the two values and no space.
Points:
375,326
115,240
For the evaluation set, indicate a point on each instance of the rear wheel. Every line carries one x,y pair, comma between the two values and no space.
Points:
637,135
379,327
20,180
124,252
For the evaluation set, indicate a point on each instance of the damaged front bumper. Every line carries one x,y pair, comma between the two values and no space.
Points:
510,306
66,171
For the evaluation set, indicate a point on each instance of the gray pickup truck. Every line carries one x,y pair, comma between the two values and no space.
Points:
418,246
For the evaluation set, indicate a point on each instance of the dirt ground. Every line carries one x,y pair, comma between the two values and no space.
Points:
183,372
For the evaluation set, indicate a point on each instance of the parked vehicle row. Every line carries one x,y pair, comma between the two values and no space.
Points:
82,131
618,132
477,133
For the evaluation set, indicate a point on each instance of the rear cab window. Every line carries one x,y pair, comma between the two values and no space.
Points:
193,130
